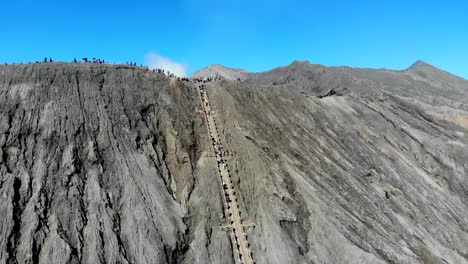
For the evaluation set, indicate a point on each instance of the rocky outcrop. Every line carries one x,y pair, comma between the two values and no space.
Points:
112,164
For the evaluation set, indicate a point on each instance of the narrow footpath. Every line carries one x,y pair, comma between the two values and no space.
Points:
235,225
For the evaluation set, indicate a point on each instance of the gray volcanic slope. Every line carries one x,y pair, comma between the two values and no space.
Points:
111,164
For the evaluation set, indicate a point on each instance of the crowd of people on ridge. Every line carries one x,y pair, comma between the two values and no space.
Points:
134,64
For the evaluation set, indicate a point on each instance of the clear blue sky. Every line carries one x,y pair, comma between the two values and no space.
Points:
255,35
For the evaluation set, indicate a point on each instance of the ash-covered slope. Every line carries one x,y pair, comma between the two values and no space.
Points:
98,165
113,164
368,174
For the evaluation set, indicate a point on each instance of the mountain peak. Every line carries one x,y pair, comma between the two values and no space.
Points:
217,66
300,62
419,64
220,70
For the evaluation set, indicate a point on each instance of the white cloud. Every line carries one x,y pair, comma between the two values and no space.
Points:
154,61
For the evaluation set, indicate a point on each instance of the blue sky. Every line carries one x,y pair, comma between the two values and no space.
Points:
255,35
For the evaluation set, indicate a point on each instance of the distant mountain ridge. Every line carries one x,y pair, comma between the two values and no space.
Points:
232,73
420,80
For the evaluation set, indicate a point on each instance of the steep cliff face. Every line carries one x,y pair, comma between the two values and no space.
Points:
98,163
113,164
